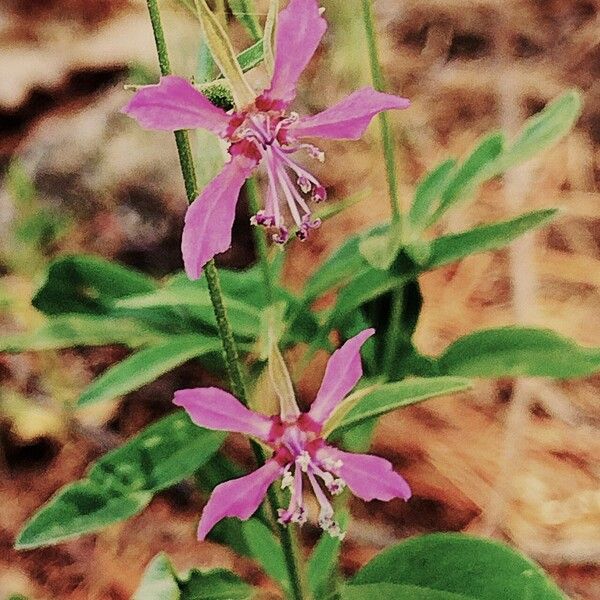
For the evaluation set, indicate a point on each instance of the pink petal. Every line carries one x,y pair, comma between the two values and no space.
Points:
209,219
214,408
238,497
300,28
349,118
369,477
343,371
174,104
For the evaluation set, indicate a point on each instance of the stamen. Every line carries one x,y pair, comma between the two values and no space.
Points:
326,521
303,460
295,513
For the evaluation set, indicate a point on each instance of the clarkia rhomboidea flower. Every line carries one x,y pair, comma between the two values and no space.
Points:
264,132
300,453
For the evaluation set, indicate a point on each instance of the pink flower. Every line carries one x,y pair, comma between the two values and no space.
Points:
299,451
265,132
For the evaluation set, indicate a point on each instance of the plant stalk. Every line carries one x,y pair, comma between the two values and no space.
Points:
387,138
394,331
224,327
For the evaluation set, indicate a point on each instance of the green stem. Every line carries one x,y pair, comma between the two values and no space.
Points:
225,332
394,332
387,138
260,239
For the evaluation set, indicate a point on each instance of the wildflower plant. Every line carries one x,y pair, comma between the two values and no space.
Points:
232,319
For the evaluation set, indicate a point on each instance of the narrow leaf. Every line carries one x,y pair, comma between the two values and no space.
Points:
269,36
384,398
475,169
544,129
427,193
217,584
449,248
518,352
122,482
66,331
146,366
324,558
266,550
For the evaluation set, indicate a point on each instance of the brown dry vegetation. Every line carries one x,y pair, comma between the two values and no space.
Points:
515,459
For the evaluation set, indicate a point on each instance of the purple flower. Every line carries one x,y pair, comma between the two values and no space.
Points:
265,132
300,453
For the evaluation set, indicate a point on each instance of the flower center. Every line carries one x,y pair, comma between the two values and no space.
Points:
299,446
265,135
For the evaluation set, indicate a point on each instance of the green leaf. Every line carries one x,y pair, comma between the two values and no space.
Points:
87,284
383,398
194,296
427,193
397,592
518,352
449,248
146,366
66,331
544,129
159,581
266,550
366,286
323,559
122,482
341,267
217,584
474,170
476,568
79,508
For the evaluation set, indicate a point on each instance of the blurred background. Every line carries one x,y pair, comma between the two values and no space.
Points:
518,460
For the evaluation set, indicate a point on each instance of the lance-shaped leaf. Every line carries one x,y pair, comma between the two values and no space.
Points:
476,168
323,560
449,248
544,129
518,352
224,55
66,331
428,192
265,548
382,398
161,582
146,366
458,564
122,482
195,299
341,267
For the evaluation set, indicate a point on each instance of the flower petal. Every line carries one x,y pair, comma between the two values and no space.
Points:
238,497
174,104
349,118
369,477
300,28
214,408
343,371
209,219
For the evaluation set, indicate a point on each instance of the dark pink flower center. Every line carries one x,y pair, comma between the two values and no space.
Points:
300,450
263,134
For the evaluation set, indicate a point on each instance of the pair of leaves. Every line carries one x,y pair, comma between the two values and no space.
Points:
451,567
123,482
449,183
161,582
